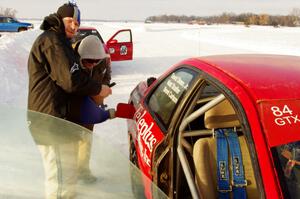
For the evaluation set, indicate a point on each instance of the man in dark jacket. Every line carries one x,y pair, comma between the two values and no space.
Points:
54,78
53,66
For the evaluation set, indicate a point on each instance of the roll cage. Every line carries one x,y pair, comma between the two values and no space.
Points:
187,136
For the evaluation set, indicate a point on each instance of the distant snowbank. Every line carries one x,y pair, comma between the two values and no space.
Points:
155,46
259,39
14,50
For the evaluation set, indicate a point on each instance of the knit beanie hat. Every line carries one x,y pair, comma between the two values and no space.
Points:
69,10
91,47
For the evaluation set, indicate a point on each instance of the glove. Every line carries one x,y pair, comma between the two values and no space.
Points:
112,113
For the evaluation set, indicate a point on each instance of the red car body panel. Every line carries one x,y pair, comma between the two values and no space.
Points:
118,51
267,86
149,136
121,50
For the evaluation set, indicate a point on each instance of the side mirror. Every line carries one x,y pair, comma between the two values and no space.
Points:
125,111
113,41
150,80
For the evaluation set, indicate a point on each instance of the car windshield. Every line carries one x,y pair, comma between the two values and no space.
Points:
28,138
12,20
287,160
82,33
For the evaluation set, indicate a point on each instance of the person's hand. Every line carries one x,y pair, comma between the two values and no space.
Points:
98,99
105,91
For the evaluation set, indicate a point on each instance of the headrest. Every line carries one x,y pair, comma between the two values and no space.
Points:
221,116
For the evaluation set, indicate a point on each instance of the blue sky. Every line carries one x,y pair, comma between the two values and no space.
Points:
140,9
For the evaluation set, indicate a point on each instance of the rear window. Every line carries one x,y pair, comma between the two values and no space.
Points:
287,161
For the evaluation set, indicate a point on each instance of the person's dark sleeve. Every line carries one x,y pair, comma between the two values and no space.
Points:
102,73
107,74
90,113
67,74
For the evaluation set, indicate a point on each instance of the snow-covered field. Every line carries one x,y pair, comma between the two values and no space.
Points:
156,48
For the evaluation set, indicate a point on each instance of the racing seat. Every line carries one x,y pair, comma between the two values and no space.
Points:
205,152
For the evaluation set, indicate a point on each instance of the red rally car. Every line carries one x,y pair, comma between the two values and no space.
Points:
119,47
220,126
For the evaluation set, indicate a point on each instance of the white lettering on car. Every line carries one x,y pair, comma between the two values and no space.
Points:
179,81
172,85
170,94
284,116
145,135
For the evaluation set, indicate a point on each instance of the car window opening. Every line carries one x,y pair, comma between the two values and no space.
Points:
287,162
198,149
163,101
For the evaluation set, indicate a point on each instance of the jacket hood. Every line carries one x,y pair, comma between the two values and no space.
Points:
53,22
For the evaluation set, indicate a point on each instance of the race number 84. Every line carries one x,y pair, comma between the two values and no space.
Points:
284,116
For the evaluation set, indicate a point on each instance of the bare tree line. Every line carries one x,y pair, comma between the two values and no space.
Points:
293,19
9,12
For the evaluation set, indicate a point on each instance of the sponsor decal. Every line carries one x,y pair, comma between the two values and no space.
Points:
174,87
280,120
284,116
146,139
236,164
123,50
111,50
179,81
222,170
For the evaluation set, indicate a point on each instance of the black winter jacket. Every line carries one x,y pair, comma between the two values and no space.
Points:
54,72
100,73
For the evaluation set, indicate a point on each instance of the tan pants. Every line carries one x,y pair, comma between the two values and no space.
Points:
85,145
84,154
61,169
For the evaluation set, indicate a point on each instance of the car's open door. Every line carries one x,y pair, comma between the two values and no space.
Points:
120,45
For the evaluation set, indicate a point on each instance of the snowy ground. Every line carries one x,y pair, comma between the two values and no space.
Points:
156,48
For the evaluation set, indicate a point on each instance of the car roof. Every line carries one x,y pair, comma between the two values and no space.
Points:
270,81
86,28
264,76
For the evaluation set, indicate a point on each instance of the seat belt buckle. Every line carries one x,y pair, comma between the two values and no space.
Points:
224,190
243,183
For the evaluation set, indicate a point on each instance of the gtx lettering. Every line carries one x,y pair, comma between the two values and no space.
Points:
284,115
287,120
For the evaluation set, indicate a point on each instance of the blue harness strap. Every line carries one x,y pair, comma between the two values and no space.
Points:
227,139
239,182
224,187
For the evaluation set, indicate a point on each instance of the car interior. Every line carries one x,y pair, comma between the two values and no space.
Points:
197,146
